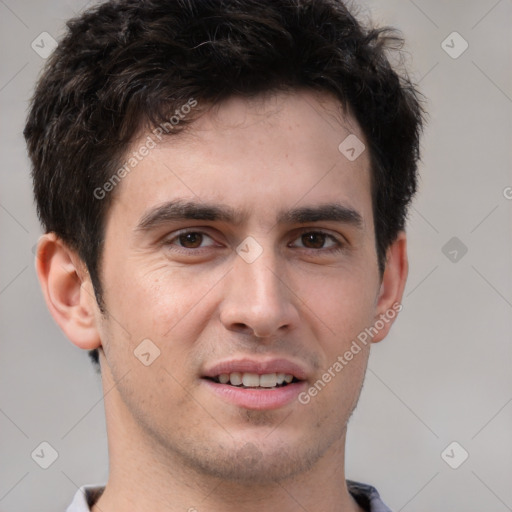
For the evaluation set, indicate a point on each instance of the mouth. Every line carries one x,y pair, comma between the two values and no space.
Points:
253,384
250,380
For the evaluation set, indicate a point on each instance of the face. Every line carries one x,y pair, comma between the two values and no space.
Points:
243,247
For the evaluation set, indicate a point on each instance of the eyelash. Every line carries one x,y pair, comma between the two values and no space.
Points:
340,246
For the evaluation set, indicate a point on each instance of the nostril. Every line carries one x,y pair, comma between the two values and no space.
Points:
240,327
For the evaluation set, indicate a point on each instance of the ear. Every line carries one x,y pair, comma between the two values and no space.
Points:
389,300
68,291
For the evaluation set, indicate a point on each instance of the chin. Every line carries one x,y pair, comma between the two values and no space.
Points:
253,464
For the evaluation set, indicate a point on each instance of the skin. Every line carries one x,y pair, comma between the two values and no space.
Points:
173,444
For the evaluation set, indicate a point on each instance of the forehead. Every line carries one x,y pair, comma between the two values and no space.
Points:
266,154
296,121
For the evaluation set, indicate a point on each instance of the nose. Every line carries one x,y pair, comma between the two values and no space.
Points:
258,300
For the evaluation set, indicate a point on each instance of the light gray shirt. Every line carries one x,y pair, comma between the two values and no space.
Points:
366,496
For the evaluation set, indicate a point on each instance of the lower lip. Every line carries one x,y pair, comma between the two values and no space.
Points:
257,398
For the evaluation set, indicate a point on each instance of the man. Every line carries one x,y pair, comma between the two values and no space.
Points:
223,188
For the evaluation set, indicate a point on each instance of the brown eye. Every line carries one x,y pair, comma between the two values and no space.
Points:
191,240
313,240
319,242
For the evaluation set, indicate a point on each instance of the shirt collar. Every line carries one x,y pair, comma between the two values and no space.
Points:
366,496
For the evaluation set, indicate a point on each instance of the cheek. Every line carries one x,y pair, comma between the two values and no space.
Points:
346,305
334,394
343,301
166,303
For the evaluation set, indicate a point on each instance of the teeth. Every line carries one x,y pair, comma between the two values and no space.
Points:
235,378
250,379
253,380
269,380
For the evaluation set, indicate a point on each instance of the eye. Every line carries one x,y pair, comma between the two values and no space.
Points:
316,240
190,240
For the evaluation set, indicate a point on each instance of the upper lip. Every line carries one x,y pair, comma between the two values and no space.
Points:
245,365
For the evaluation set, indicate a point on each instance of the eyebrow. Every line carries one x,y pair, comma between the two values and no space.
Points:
178,210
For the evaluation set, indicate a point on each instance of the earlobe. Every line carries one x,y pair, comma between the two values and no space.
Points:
68,291
392,286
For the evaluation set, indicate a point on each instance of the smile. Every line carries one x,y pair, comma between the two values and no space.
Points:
253,380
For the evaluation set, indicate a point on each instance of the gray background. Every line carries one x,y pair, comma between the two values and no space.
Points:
444,373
